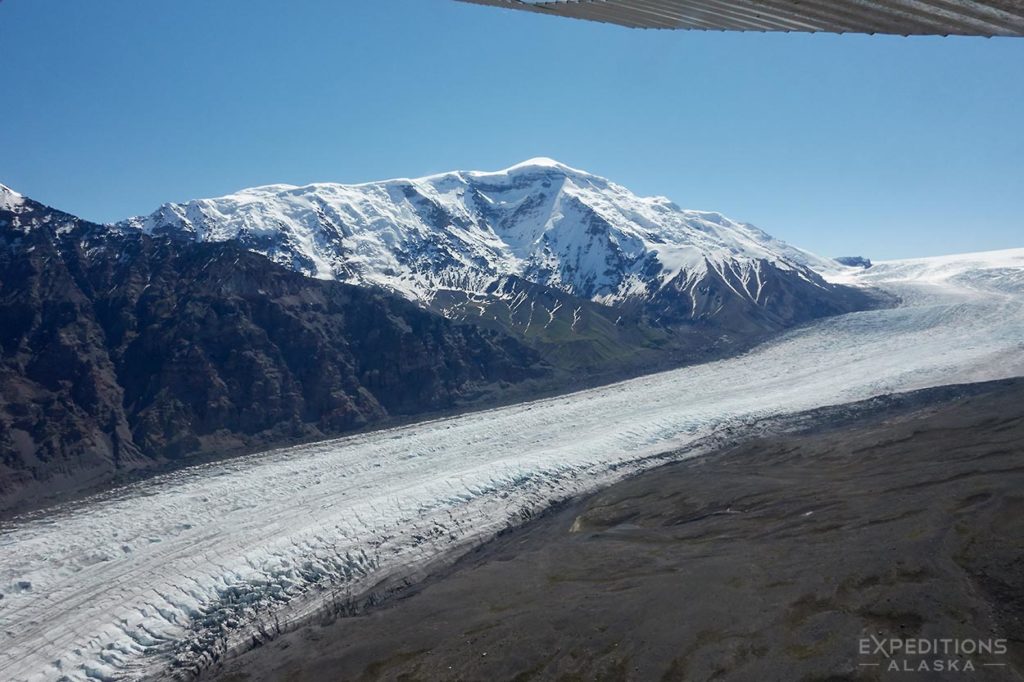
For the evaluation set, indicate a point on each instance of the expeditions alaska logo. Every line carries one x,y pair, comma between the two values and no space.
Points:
931,655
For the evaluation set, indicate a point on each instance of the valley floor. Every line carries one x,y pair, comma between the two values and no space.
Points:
767,560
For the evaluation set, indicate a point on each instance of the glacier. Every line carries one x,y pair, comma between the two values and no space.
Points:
159,578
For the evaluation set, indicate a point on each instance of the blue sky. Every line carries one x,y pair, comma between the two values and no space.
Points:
882,146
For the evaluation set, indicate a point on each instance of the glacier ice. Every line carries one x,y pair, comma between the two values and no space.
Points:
168,573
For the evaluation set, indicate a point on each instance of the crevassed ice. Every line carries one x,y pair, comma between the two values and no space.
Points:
174,570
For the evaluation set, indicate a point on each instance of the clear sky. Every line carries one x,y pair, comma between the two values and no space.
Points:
881,146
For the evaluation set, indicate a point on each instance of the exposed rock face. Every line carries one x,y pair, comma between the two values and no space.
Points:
854,261
121,351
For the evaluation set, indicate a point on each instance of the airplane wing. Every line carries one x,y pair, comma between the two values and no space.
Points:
901,17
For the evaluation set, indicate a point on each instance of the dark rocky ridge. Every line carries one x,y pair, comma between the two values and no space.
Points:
856,261
789,298
680,323
121,352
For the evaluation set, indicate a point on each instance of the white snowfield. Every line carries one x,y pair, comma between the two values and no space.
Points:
167,572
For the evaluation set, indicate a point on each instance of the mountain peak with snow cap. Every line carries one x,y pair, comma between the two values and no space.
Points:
9,198
537,162
540,220
537,167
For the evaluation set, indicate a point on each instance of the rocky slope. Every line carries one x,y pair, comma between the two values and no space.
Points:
121,351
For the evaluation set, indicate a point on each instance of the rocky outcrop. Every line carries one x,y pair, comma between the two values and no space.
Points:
854,261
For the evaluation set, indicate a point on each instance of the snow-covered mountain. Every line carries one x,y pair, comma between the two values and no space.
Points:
539,221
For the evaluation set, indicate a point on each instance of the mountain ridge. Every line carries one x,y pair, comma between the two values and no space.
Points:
540,219
452,241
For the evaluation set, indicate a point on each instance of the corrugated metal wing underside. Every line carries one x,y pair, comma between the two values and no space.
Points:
902,17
